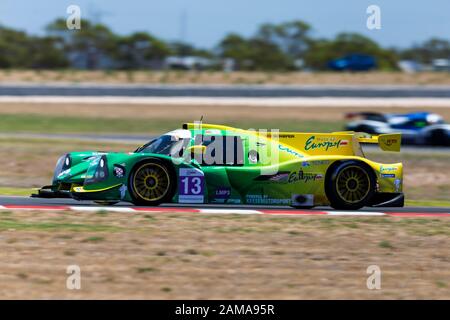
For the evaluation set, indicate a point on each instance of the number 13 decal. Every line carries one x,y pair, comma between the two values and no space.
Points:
191,186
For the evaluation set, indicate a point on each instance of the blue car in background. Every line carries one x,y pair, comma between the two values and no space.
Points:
420,128
353,62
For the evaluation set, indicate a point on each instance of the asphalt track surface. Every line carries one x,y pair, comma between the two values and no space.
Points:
14,202
249,91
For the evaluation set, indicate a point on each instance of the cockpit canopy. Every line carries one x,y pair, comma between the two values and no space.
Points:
170,144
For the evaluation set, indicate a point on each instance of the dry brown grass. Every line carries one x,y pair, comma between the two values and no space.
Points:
192,256
30,163
212,113
174,77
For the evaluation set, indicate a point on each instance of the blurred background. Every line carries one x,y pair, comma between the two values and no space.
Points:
203,35
101,73
133,69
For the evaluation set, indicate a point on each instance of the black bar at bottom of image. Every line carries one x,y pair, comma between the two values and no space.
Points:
223,309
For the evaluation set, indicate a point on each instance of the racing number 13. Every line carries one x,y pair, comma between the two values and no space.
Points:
192,185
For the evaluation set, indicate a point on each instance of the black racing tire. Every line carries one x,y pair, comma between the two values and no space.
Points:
350,185
152,182
439,137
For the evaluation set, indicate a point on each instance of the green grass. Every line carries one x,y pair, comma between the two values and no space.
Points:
428,203
8,191
93,239
145,269
385,244
60,124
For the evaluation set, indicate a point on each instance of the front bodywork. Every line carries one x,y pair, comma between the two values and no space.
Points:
267,168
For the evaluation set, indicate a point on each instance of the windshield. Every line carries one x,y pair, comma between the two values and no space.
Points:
169,145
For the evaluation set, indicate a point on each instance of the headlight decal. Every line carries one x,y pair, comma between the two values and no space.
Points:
64,163
67,162
98,171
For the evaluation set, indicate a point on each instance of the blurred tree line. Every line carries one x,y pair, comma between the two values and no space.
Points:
274,47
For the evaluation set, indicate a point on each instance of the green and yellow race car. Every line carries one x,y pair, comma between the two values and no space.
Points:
205,163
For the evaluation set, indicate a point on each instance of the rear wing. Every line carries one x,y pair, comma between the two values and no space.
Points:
386,142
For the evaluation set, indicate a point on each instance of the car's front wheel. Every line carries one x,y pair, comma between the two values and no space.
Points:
151,183
350,185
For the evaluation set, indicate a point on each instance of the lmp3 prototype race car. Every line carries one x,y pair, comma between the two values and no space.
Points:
203,163
419,128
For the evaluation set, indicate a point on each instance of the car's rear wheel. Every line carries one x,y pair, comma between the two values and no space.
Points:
350,185
152,182
439,137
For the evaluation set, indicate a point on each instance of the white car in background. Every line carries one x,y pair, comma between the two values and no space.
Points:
420,128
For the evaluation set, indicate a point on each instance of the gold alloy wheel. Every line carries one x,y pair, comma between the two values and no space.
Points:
151,182
353,184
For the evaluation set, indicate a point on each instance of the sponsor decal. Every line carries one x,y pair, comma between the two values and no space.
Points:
119,171
223,193
65,172
388,175
304,177
123,190
315,163
313,143
388,169
286,136
281,176
191,186
320,162
288,150
390,142
283,136
397,183
264,199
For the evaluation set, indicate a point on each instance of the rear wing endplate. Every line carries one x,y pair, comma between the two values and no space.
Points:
387,142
